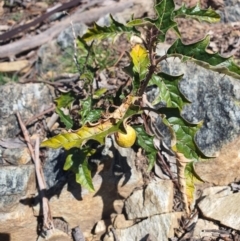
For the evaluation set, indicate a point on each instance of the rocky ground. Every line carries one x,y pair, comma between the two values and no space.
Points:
128,203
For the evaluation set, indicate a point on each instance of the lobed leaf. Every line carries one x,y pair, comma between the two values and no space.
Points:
184,133
169,93
77,162
146,142
197,53
207,15
65,99
87,113
136,22
164,20
67,121
97,32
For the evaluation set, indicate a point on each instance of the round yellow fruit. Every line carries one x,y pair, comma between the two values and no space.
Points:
126,139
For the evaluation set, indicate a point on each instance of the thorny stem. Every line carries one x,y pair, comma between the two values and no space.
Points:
151,44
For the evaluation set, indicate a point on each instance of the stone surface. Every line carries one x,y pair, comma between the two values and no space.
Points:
66,38
231,11
55,235
17,156
224,209
100,227
223,169
120,222
118,206
201,227
155,198
160,227
16,182
214,99
19,224
76,205
27,99
219,191
124,167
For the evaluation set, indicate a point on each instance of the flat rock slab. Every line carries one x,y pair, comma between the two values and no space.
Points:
223,169
224,209
154,199
159,227
18,225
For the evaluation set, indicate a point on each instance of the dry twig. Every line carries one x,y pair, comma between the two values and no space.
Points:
48,221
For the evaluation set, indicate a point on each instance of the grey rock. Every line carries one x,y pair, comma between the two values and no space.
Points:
16,156
27,99
159,227
155,198
66,38
231,11
214,99
106,21
16,182
224,209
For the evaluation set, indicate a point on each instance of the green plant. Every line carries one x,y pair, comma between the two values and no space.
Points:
144,70
7,78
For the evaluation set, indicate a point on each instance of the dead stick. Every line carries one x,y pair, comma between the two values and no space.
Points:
47,217
40,178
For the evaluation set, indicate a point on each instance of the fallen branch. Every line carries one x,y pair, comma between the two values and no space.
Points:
22,28
26,44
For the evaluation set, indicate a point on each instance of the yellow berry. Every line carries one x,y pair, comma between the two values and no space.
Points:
126,139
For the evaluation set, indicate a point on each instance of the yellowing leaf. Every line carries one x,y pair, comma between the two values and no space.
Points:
140,60
97,132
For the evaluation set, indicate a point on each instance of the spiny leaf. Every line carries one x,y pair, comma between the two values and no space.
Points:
97,32
86,132
65,99
146,142
164,20
77,162
169,94
87,113
184,133
136,22
197,53
68,122
207,15
140,60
